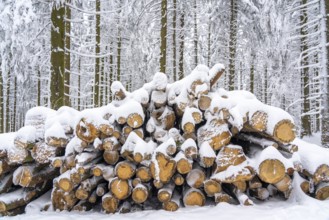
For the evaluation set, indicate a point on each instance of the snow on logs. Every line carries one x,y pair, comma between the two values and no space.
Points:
165,145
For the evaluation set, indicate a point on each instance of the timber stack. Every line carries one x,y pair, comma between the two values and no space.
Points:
165,145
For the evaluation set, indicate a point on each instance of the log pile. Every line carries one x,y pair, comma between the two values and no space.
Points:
162,146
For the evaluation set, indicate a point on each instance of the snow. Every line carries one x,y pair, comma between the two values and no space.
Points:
215,69
7,140
233,171
206,150
272,153
56,130
65,116
26,134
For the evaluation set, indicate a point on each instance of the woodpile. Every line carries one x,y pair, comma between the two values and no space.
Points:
162,146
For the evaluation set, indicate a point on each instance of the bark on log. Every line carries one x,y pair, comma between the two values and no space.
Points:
322,191
162,167
173,204
109,203
140,193
211,187
86,131
165,193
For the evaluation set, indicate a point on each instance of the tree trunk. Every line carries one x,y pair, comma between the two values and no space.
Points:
13,128
39,87
306,119
174,39
181,46
67,58
163,36
1,103
7,104
325,64
97,52
195,35
57,57
232,43
252,73
111,72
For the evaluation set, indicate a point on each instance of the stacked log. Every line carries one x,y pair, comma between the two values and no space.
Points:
161,146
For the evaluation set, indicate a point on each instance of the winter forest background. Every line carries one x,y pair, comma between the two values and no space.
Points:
68,52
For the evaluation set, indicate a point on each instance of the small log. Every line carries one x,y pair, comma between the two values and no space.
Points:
57,162
184,165
322,191
143,173
173,204
106,129
111,157
125,207
207,155
215,73
140,193
285,184
224,197
83,206
121,189
260,193
178,179
244,199
111,144
305,186
255,183
193,197
93,197
87,186
6,183
168,118
135,120
108,173
109,203
43,153
190,149
135,182
18,156
240,186
165,193
125,170
321,174
196,177
204,102
101,189
211,187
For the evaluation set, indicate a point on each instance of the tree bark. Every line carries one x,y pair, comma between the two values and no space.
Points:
232,43
174,39
1,103
97,52
67,55
163,36
57,57
181,46
195,35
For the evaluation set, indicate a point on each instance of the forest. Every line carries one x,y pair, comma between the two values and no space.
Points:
68,52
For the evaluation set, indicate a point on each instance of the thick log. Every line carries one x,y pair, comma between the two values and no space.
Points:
140,193
204,102
211,187
86,131
121,189
285,184
271,170
193,197
229,155
43,153
216,132
109,203
135,120
18,156
125,170
162,167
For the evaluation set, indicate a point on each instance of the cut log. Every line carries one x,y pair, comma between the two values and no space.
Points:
229,155
194,197
18,156
211,187
260,193
162,167
6,183
109,203
43,153
159,98
178,179
135,120
321,174
284,131
165,193
93,197
87,186
111,144
83,206
255,183
173,204
216,132
207,155
135,182
204,102
108,173
240,186
215,73
168,118
30,176
244,199
224,197
57,162
271,171
184,165
285,184
111,157
101,189
86,131
196,177
305,186
125,207
322,191
125,170
140,193
22,196
121,189
143,173
190,149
